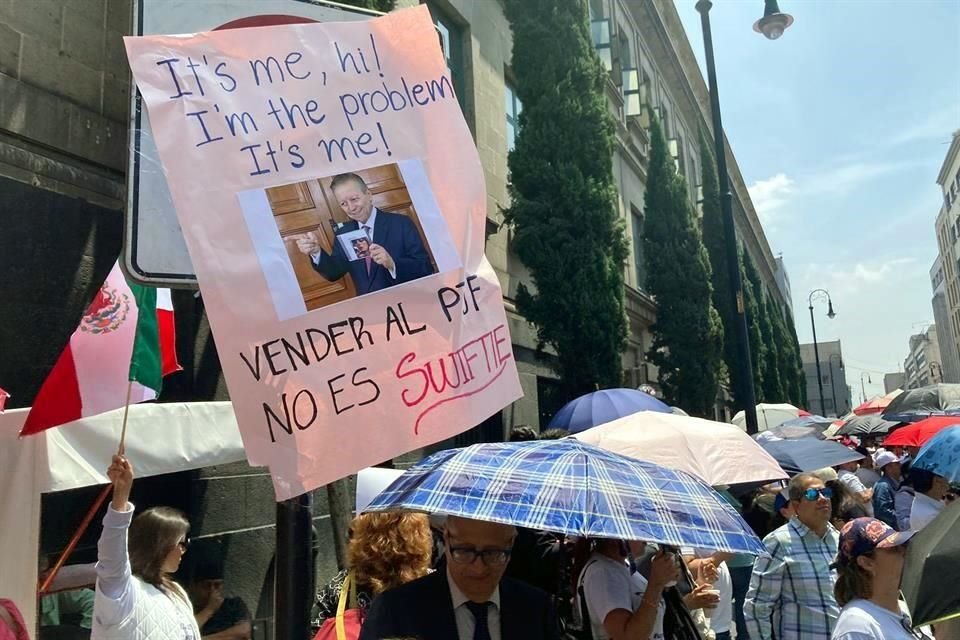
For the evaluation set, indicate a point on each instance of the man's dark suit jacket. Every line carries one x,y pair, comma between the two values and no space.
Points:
423,609
398,235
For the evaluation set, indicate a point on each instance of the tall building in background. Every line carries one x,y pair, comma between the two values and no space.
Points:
949,355
923,365
893,381
948,228
837,396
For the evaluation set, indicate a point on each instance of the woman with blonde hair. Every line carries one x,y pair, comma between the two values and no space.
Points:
135,595
386,549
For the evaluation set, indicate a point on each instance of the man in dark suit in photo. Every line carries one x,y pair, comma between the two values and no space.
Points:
396,254
468,598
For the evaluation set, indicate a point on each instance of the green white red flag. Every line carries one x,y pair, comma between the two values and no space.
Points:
126,337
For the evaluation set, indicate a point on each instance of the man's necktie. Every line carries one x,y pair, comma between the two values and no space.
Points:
481,630
368,260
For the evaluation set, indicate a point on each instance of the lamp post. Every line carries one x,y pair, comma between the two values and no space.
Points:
820,293
863,387
771,25
833,384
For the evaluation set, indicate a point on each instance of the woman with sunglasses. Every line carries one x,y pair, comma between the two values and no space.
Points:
869,563
136,598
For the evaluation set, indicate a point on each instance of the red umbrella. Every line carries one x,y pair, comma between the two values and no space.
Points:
917,434
876,404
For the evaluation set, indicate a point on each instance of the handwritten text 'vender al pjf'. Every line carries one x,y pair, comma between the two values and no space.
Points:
469,369
258,134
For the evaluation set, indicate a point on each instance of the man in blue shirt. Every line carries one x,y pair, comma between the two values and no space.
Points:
885,490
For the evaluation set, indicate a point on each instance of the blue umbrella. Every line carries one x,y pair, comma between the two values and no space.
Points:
570,487
941,454
808,454
603,406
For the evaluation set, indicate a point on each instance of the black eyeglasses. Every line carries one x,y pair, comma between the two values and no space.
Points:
184,545
813,494
489,557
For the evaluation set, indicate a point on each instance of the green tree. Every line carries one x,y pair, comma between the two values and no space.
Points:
800,382
773,387
376,5
566,227
715,242
688,334
752,289
790,376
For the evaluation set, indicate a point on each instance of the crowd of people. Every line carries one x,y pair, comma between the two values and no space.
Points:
834,552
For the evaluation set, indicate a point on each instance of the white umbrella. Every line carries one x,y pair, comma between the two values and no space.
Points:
769,416
716,452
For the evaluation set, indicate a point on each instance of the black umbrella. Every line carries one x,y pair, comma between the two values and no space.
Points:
808,454
932,569
916,404
866,426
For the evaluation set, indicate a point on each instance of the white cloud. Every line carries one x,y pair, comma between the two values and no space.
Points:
769,197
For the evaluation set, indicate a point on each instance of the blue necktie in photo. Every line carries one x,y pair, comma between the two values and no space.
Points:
479,610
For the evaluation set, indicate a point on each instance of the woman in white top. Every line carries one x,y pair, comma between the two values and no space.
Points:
928,502
869,564
136,599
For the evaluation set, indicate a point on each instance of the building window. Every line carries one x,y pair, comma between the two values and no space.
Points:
513,108
639,260
633,92
600,31
452,39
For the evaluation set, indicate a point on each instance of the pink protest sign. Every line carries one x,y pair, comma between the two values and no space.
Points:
333,205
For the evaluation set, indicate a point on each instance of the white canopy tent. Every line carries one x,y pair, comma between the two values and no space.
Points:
161,438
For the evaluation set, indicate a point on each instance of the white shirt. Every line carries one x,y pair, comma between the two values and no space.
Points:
721,617
608,586
465,622
923,511
864,620
868,477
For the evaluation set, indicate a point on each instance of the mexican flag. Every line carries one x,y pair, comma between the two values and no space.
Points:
126,336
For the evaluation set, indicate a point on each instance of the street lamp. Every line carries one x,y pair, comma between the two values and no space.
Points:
833,384
773,23
820,294
767,26
863,387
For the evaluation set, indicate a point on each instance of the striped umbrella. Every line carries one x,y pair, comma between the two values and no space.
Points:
570,487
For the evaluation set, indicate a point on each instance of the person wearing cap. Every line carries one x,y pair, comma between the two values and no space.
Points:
885,490
791,589
869,563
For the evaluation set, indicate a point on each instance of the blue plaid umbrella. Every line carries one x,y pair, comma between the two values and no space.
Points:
941,454
570,487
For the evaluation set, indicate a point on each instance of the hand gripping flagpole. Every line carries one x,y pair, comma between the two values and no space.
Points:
92,511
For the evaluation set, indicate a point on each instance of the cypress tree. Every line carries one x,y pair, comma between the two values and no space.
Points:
800,384
715,242
376,5
774,389
566,227
688,334
752,289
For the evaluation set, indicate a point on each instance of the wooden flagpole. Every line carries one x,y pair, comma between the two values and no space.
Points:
92,511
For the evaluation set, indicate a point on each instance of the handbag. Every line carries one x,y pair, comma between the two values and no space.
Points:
346,624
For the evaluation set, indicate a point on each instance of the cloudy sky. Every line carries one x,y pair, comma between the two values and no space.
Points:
840,128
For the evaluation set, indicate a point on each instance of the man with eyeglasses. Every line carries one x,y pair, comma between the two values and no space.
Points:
791,589
468,598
